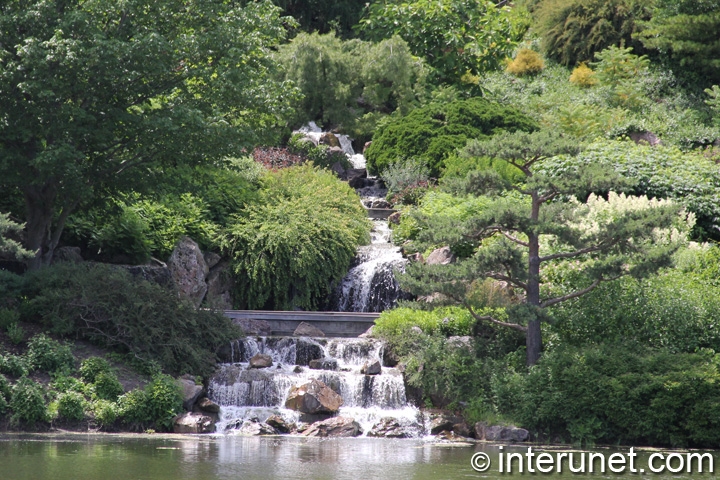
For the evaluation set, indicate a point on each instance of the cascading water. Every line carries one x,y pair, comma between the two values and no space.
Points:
253,395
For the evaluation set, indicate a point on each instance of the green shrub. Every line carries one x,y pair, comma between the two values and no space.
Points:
91,367
617,394
16,334
63,384
583,76
107,386
48,355
156,405
526,62
71,406
14,365
28,402
318,155
110,307
8,317
105,412
5,394
290,248
432,133
446,321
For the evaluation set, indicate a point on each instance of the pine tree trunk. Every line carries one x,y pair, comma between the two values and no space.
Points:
533,336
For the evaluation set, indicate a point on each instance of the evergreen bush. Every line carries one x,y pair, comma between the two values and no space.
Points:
293,246
111,308
431,133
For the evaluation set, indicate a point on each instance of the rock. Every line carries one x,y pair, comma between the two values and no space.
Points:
250,326
207,405
390,358
371,368
388,427
499,433
67,254
416,257
380,204
416,329
647,138
356,177
211,259
220,286
441,422
339,170
394,218
440,256
323,364
151,273
462,429
307,349
190,391
367,145
335,152
329,139
307,330
254,428
460,342
261,361
189,270
278,423
334,427
447,436
193,423
298,369
368,333
309,140
313,397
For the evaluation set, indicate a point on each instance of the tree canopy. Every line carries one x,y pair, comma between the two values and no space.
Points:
94,92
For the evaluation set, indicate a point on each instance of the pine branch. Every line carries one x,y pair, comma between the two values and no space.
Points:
491,319
577,253
578,293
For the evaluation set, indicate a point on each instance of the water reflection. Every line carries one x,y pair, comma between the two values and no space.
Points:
157,457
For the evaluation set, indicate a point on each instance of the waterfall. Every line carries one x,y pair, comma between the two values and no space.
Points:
246,394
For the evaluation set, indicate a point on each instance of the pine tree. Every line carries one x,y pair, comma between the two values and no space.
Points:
548,219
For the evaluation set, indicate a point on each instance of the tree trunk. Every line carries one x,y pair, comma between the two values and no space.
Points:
533,336
39,200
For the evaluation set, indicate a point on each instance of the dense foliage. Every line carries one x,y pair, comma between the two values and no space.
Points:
431,133
112,308
290,248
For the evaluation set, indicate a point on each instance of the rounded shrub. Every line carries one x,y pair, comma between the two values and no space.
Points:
164,400
105,412
71,406
28,402
48,355
133,410
433,132
107,386
91,367
13,365
583,76
5,394
526,62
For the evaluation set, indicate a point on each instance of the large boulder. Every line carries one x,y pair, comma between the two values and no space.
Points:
189,270
306,350
190,391
323,364
207,405
189,422
280,424
313,397
334,427
261,361
152,273
307,330
254,427
442,422
371,368
500,433
440,256
329,139
388,427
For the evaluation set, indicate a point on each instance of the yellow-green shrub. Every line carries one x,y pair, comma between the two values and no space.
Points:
526,62
583,76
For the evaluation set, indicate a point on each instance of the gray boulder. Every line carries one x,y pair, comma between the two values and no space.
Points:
388,427
207,405
313,397
371,368
323,364
307,330
261,361
190,391
253,428
500,433
250,326
67,254
193,423
440,256
220,286
189,270
334,427
280,424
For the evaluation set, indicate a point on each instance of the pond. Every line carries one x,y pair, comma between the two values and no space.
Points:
159,457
